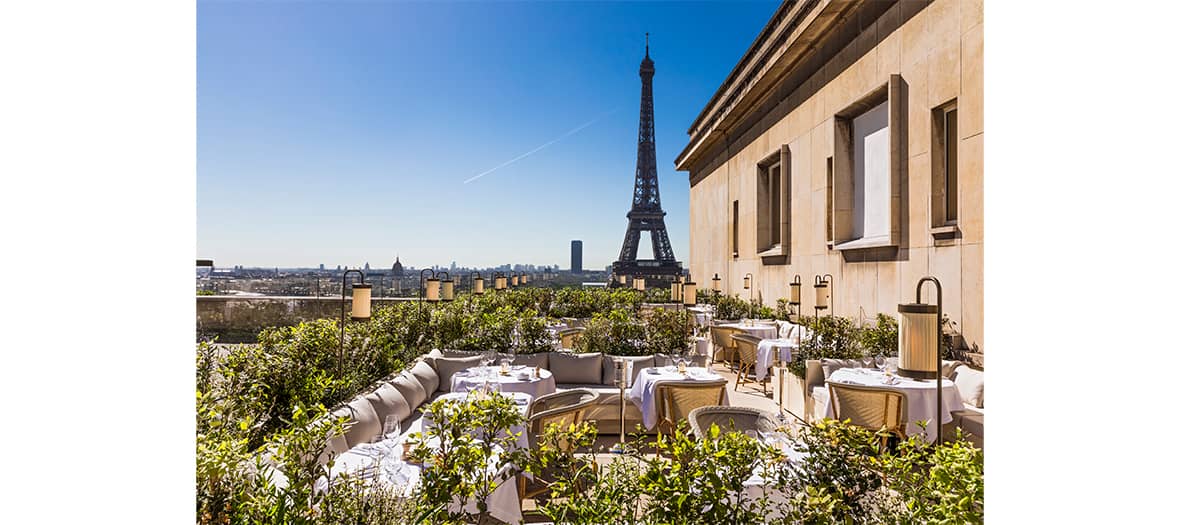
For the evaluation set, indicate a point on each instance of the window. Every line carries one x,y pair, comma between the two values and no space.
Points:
828,207
774,203
735,229
944,176
866,169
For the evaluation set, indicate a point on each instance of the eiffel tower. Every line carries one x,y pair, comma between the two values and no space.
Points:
646,213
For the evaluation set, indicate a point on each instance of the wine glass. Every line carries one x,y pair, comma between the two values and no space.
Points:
881,362
867,360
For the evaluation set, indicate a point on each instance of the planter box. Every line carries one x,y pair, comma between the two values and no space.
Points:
789,392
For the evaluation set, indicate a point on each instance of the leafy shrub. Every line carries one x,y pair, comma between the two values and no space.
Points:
617,332
731,307
881,338
832,337
667,331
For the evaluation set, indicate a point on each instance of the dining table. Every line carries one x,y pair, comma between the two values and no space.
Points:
767,354
921,396
381,462
759,330
515,378
643,390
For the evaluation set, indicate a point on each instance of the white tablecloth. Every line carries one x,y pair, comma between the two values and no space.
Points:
764,331
503,502
643,391
703,316
921,395
473,378
765,349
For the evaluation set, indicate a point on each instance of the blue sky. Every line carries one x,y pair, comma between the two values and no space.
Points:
344,132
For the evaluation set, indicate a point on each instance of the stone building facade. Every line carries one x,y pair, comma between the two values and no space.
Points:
848,141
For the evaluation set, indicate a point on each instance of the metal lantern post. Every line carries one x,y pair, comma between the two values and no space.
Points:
918,342
431,285
362,295
823,293
476,283
747,281
795,299
688,297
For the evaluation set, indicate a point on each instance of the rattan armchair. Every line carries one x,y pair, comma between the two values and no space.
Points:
730,419
676,399
569,336
724,349
870,407
561,408
747,350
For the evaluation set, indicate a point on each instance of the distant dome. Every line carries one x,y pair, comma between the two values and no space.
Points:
398,271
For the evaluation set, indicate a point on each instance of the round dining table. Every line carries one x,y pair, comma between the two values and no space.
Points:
519,378
643,390
759,330
920,395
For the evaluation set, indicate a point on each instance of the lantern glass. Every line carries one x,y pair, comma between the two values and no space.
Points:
515,280
716,283
795,292
501,282
639,283
362,295
822,296
746,282
524,279
917,340
690,294
432,289
448,290
477,286
675,292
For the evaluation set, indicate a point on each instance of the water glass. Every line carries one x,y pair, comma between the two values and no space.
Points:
881,362
392,428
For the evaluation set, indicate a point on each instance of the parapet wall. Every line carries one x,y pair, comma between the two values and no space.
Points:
237,319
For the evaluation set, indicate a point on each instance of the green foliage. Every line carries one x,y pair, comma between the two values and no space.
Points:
206,292
476,452
617,332
657,295
575,302
667,331
832,337
731,307
881,338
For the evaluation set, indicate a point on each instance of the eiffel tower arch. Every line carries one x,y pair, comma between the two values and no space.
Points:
646,214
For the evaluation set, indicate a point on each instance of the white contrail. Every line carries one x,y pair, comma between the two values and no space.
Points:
543,146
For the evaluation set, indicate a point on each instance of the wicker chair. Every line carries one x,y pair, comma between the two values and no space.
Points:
870,407
724,349
730,419
569,336
747,350
676,399
561,408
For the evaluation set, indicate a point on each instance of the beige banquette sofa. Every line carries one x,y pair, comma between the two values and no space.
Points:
429,377
969,382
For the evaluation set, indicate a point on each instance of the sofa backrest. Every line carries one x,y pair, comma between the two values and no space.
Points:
568,367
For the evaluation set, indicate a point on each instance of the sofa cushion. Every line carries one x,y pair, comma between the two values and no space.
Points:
540,359
969,381
447,366
568,367
426,376
363,423
948,368
410,389
387,401
637,363
832,365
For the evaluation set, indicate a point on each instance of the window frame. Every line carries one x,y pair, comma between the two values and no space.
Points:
774,246
941,147
842,208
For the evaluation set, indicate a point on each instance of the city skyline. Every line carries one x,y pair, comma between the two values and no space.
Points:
316,141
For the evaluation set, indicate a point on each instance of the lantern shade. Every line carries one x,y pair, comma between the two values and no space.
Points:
917,341
639,283
432,289
477,286
676,292
501,282
448,290
690,294
796,292
524,279
822,295
746,282
515,280
362,296
716,283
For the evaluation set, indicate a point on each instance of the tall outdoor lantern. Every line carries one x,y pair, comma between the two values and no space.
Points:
361,308
477,284
639,283
524,279
918,341
796,292
501,281
515,280
675,292
689,294
716,283
746,281
432,289
823,293
448,287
